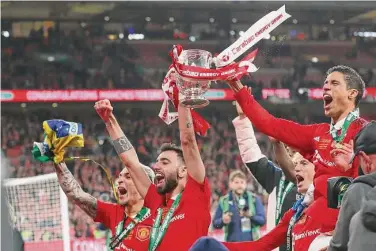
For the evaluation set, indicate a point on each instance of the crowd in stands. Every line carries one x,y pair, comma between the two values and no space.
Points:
74,60
219,151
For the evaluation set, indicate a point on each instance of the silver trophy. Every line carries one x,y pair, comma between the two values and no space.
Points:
194,90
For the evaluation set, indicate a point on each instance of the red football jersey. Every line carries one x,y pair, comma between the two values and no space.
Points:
112,214
304,232
312,140
191,219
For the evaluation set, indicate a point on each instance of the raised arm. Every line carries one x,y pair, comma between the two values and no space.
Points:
293,134
191,153
74,191
284,160
265,171
123,147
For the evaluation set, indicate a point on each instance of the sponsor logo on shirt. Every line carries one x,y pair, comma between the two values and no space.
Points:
122,247
178,217
143,233
317,138
317,157
306,234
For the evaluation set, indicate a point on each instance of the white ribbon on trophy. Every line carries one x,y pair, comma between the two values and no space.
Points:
223,71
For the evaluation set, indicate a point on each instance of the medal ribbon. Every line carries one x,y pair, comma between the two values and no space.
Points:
348,120
224,70
121,234
298,208
158,230
282,192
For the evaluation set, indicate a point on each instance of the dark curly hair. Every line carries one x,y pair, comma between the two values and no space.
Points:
172,147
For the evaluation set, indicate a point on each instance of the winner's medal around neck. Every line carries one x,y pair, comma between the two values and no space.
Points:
160,228
346,124
338,145
192,71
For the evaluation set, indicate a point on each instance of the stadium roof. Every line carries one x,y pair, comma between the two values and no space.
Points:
187,11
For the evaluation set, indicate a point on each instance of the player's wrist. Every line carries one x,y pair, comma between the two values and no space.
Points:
235,85
111,121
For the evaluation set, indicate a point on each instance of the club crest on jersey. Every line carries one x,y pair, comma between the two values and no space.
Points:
143,233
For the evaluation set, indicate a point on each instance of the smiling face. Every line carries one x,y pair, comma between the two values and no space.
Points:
304,173
169,170
126,189
338,98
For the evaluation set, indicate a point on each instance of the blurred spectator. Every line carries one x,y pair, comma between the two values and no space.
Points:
240,212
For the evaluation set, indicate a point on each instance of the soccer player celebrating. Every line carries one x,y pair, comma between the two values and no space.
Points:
129,221
343,89
179,199
297,228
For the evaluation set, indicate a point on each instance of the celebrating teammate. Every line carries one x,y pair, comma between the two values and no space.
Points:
296,223
297,228
343,89
278,182
129,221
179,199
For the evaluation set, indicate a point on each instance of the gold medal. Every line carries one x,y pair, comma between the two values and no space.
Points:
339,146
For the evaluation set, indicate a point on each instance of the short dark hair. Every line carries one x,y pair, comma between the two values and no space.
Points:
352,78
172,147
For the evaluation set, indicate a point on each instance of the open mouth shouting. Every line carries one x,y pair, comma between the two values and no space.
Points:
122,191
299,180
159,180
327,100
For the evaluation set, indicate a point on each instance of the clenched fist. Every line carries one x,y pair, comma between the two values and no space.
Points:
104,109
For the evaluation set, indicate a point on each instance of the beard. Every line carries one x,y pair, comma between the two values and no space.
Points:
239,191
170,184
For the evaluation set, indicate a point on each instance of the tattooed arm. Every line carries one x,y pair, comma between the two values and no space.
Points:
191,153
74,191
128,156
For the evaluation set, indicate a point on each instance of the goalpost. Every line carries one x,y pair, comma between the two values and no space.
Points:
39,210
